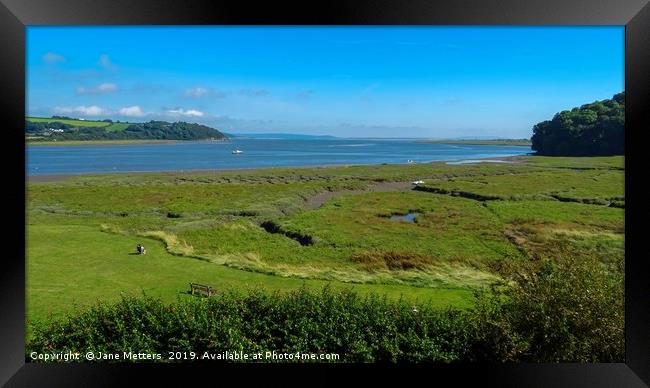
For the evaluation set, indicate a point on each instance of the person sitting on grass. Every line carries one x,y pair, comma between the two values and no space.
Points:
139,249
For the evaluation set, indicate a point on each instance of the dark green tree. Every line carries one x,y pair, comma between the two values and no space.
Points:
592,129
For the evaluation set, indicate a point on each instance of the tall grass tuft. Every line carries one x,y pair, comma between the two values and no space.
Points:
391,260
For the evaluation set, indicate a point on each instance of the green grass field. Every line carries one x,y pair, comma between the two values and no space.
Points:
579,184
71,266
36,142
213,227
111,127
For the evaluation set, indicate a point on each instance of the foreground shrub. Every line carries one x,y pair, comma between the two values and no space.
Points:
564,310
358,329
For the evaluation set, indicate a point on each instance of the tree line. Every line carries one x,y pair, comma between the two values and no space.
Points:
160,130
171,131
592,129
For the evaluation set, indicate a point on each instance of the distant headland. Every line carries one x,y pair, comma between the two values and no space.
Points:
62,128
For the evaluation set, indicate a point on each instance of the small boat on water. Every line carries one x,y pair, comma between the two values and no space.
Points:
410,161
237,151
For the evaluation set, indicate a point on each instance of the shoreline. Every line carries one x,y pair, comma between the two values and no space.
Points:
97,142
500,142
45,178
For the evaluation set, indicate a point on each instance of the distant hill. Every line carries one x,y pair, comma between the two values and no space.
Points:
592,129
286,136
66,128
469,141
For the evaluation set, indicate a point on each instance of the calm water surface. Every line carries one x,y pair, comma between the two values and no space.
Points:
257,153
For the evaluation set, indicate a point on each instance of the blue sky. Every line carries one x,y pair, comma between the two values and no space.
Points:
346,81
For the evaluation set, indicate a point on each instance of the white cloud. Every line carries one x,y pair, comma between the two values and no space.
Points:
193,112
131,111
92,110
107,87
100,89
53,57
105,62
201,92
196,92
187,113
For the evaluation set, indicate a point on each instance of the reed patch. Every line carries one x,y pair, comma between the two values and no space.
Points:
391,260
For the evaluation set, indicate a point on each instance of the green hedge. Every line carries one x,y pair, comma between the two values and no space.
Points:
559,311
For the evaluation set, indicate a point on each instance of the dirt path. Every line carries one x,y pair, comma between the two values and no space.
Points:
320,198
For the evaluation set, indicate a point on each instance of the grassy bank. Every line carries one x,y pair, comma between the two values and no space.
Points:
72,266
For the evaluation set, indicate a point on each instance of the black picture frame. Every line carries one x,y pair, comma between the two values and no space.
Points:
16,14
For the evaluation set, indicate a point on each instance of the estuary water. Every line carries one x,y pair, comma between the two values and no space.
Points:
255,153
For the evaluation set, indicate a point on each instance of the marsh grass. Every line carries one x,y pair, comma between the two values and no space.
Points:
391,260
172,243
80,230
592,186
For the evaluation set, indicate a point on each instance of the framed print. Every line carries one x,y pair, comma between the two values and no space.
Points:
419,188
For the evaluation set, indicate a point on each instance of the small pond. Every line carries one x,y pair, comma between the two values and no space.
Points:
410,217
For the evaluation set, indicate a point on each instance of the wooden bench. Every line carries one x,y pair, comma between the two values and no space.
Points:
202,289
